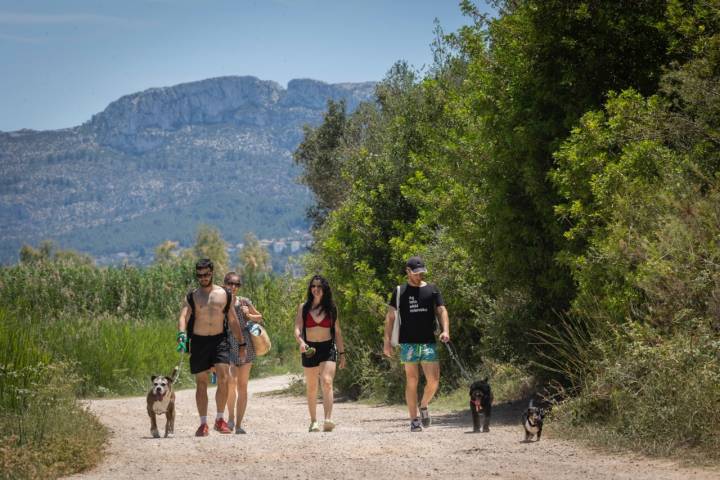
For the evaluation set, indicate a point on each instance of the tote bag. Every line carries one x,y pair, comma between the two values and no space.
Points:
395,337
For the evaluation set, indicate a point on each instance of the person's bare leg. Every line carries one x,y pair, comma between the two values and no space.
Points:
412,377
432,382
243,377
311,388
232,392
201,395
327,374
221,394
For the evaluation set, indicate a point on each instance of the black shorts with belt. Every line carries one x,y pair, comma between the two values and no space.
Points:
324,352
207,350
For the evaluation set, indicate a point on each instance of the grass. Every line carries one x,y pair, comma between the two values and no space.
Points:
649,393
71,330
47,433
70,445
508,383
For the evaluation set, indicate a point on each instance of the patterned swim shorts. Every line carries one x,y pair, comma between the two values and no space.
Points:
418,352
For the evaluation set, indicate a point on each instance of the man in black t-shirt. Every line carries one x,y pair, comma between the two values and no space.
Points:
419,305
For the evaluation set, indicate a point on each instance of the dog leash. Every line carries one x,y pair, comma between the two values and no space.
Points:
456,358
176,380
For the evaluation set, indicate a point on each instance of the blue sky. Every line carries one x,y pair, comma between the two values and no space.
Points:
64,60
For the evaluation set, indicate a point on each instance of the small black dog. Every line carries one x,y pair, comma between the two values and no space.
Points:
481,402
533,422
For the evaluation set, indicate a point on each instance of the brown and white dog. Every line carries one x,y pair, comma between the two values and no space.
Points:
161,401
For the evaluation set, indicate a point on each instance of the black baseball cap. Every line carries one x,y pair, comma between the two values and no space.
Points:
416,265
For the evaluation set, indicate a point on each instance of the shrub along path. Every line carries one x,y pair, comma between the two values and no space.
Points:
369,442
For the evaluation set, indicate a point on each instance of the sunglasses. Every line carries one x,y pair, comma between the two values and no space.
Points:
203,275
233,284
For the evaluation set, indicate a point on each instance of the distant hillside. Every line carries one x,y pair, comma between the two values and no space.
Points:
155,164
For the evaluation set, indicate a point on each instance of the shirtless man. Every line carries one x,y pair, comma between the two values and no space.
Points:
209,346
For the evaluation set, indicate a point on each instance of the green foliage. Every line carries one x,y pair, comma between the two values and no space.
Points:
610,171
639,182
210,244
48,251
45,432
510,383
254,260
142,210
68,329
117,326
650,392
528,76
168,252
48,289
321,162
558,168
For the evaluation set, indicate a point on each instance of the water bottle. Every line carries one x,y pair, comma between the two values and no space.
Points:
213,378
255,329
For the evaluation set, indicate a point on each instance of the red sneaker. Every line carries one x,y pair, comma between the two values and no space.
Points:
203,430
222,426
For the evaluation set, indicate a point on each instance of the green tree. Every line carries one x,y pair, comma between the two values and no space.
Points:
319,155
253,260
167,252
48,251
210,244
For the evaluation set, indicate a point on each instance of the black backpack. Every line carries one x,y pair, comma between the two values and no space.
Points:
191,302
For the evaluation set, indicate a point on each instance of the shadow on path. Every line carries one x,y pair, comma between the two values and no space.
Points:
504,414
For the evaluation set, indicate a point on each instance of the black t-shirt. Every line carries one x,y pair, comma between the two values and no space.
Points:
417,312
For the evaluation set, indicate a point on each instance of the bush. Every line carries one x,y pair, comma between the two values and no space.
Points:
46,432
655,394
51,435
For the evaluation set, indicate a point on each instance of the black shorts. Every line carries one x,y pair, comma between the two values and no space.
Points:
324,352
206,351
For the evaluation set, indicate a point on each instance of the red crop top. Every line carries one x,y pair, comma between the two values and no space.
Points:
310,321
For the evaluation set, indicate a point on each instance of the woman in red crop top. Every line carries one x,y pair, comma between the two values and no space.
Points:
317,331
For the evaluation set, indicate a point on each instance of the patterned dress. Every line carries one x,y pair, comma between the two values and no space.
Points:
234,345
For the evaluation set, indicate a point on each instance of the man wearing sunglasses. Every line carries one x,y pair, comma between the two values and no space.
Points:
208,306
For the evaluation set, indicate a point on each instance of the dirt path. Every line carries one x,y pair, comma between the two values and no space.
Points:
370,442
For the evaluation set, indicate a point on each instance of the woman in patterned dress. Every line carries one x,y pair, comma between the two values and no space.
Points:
240,370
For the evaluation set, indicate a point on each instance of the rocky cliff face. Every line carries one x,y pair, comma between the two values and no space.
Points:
154,164
136,123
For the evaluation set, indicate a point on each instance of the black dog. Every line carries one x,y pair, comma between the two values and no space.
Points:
481,402
533,422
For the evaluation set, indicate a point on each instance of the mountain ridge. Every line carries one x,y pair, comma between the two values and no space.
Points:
149,166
